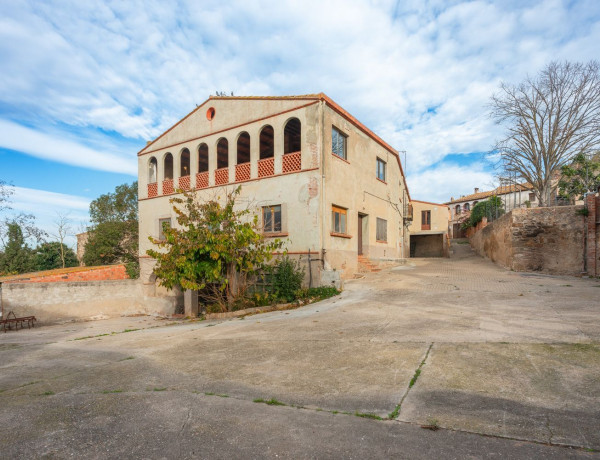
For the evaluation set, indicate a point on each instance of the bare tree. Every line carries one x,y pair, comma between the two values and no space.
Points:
549,119
63,229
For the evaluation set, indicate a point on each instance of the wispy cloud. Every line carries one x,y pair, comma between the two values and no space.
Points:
418,73
36,143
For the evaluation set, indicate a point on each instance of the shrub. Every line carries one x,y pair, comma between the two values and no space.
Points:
287,279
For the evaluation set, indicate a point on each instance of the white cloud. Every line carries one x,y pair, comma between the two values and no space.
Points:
434,184
20,138
418,73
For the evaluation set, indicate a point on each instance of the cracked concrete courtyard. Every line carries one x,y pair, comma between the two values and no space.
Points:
513,356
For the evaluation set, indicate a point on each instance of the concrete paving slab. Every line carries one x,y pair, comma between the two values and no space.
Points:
173,424
543,392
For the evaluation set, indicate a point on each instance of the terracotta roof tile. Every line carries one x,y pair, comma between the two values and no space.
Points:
497,191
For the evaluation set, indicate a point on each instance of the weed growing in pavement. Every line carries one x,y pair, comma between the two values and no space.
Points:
48,393
130,330
392,415
367,415
414,379
270,402
432,424
128,358
112,391
160,389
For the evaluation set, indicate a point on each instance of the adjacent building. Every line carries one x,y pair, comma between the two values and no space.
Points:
429,229
315,176
512,196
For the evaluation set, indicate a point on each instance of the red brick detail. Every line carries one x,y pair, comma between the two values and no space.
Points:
266,167
102,273
292,162
168,187
184,182
152,190
202,180
242,172
221,176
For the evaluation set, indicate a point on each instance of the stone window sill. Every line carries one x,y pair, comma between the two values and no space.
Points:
340,235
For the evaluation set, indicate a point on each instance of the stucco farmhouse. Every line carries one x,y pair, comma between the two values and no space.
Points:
315,175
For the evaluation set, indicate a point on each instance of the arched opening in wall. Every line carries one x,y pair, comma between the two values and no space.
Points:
242,168
292,136
152,177
467,207
243,148
457,209
152,170
203,158
184,169
222,153
168,166
266,143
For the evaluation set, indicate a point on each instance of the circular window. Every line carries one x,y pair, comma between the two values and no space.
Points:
210,113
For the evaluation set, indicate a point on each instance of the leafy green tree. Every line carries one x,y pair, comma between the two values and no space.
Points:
579,177
113,235
48,256
492,208
17,257
212,244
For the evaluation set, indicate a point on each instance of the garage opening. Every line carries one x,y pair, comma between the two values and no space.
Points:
427,245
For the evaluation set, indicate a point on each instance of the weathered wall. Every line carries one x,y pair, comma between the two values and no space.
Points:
56,302
549,240
60,275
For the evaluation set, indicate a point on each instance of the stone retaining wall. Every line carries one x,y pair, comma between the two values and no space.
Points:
548,240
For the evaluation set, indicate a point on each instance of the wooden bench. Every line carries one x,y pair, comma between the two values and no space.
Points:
12,319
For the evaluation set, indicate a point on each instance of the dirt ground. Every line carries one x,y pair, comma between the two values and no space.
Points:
456,344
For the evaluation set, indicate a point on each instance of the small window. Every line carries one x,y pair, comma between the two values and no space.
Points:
162,225
381,169
272,219
467,207
425,220
381,231
338,143
532,197
338,219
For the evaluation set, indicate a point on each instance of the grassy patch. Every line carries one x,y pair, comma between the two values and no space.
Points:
47,393
270,402
367,415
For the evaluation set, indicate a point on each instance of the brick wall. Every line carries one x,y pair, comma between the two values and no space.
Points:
549,240
61,275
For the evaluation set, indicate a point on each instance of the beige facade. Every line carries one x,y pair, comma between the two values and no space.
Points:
429,229
280,151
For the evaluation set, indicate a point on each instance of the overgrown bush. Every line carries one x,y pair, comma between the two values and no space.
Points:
318,293
287,279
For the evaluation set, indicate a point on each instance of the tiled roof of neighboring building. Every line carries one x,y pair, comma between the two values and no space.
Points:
497,191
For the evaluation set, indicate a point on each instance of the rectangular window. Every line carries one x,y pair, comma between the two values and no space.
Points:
532,197
425,220
381,231
162,224
381,169
338,219
272,219
338,143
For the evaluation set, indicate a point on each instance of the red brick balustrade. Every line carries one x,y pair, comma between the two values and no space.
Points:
221,176
168,187
242,172
266,167
184,182
202,180
292,162
152,190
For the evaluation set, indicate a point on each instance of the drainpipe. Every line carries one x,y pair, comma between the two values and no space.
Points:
322,213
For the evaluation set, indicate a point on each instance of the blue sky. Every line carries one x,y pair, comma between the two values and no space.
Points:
84,85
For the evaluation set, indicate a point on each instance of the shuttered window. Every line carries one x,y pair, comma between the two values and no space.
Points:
381,233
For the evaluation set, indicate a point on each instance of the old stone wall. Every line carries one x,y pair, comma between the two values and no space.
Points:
57,302
60,275
549,240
